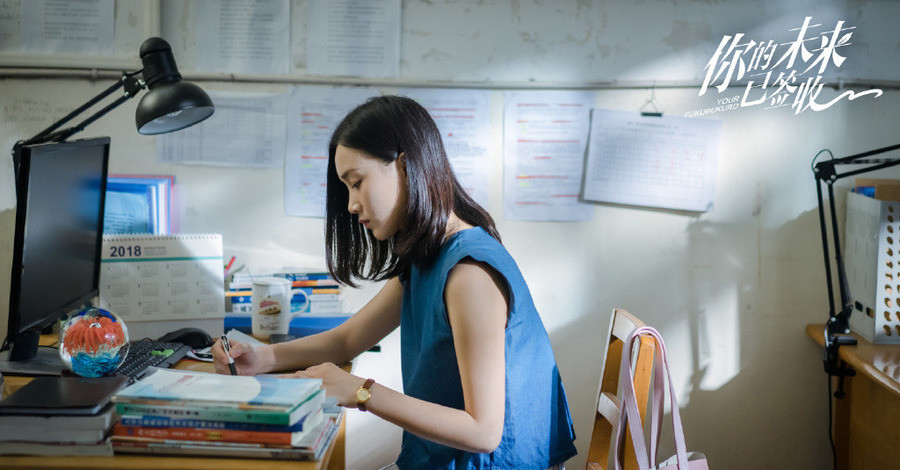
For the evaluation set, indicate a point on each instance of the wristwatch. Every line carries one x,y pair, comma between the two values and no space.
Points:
362,395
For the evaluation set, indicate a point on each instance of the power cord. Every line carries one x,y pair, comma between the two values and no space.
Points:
813,164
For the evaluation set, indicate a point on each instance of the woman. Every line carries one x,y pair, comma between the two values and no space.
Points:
481,384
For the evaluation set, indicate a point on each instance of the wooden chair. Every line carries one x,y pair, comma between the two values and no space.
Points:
608,405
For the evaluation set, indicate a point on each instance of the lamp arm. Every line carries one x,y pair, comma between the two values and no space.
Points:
856,158
839,322
45,136
879,166
837,327
66,133
826,172
132,87
824,229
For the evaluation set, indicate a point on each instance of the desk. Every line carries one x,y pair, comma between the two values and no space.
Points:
332,460
867,421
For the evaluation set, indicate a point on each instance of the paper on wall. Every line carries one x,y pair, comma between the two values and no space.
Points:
313,113
545,138
248,36
246,130
84,27
667,161
464,120
353,38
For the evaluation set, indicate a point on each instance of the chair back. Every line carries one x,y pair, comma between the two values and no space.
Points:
608,404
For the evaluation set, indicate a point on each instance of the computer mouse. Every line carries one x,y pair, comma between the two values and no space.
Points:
193,337
277,338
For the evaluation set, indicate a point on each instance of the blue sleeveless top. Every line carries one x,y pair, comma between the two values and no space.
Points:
537,428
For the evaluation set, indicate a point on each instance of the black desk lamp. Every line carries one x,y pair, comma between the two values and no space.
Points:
170,105
837,328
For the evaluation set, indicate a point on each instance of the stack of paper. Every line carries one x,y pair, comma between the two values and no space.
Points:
192,413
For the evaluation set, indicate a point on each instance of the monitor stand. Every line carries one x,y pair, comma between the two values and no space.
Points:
46,362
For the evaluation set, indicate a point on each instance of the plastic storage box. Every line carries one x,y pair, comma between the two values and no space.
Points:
872,262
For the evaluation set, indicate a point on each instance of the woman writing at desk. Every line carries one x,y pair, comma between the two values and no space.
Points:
481,384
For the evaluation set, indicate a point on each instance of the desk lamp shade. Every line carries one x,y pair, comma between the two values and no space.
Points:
170,104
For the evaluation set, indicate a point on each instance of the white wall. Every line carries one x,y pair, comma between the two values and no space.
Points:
731,289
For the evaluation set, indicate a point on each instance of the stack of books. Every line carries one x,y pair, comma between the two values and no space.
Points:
194,413
323,292
59,416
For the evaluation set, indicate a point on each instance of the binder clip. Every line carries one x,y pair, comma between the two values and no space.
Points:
651,104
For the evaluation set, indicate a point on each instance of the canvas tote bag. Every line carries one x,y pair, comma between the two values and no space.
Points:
682,460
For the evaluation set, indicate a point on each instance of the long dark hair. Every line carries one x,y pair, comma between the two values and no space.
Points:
384,127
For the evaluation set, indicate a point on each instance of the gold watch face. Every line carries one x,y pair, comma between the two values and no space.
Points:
362,394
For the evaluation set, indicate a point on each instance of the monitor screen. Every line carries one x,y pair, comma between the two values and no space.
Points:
59,221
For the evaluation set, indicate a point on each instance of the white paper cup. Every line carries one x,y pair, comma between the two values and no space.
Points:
271,298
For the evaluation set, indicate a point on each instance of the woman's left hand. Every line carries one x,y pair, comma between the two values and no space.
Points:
337,382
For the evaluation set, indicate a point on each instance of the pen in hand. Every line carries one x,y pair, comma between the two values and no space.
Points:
227,347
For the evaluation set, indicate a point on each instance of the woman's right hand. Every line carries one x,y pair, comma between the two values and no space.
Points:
247,360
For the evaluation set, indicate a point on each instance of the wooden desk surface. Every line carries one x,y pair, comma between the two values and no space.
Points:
333,458
865,420
879,362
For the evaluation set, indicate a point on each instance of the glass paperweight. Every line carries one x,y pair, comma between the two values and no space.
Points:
93,342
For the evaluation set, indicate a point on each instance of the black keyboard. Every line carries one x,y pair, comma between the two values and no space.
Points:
144,354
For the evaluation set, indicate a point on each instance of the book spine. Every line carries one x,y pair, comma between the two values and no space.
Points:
210,414
323,297
244,277
316,283
320,293
196,434
150,421
323,307
207,404
173,448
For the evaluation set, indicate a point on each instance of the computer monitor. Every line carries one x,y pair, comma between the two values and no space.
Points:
60,193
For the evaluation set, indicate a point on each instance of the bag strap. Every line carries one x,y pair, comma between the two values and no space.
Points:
662,363
657,398
630,415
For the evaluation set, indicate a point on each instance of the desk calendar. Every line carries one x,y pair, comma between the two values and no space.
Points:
162,277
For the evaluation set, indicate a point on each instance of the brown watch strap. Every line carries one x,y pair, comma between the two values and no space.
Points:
367,385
